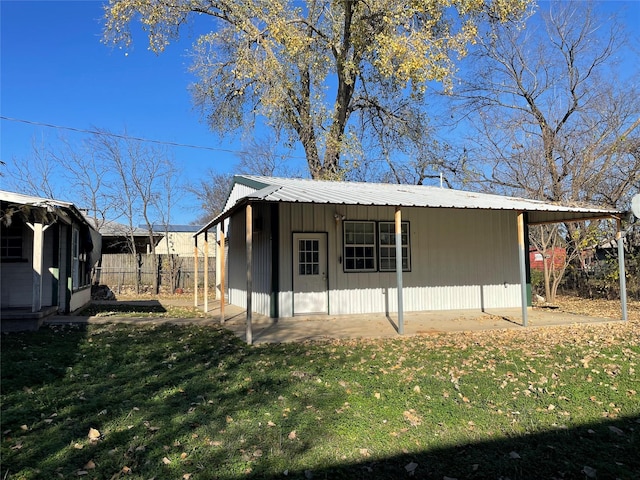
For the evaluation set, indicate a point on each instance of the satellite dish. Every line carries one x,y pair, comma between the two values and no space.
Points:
635,205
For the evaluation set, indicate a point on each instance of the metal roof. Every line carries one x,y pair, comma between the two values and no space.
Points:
111,228
22,199
51,205
272,189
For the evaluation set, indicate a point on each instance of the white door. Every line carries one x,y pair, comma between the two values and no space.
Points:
310,273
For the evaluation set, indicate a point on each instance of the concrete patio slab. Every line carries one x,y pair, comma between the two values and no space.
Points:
325,327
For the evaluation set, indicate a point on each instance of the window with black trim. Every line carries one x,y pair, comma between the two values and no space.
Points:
387,246
359,246
11,243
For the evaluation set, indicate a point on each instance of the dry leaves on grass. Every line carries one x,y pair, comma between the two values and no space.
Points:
412,417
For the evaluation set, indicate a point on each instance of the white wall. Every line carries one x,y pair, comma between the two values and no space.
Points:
460,259
261,257
17,278
182,244
79,299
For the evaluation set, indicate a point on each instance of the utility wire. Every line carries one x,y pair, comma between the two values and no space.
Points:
128,137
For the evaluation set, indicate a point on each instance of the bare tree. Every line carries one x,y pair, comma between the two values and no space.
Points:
147,177
260,157
109,151
86,175
35,175
553,121
169,195
211,192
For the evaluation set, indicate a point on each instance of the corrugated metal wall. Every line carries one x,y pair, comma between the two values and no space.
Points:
460,259
237,260
303,218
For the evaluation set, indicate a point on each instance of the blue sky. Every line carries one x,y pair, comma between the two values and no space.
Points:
54,70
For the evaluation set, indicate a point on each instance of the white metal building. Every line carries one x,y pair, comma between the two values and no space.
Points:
330,247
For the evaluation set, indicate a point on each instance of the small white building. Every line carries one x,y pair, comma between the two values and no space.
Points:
300,247
47,251
176,239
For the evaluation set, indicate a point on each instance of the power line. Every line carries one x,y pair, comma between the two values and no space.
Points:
128,137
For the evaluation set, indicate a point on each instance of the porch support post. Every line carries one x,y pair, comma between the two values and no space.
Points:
220,271
398,221
38,264
623,279
195,272
249,243
206,272
523,269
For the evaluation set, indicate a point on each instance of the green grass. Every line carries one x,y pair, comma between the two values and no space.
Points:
194,402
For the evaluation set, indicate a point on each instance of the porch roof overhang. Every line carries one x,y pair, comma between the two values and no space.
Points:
51,210
284,190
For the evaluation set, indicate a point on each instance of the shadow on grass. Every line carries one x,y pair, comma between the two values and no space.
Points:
149,394
196,403
127,307
604,450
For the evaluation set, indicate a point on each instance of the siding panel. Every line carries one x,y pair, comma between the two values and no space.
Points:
261,253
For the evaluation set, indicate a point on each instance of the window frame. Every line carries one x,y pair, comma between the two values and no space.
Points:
310,265
358,245
391,246
12,238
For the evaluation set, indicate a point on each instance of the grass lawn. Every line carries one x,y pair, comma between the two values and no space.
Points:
189,402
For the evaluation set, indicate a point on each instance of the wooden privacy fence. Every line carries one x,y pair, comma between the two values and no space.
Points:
119,271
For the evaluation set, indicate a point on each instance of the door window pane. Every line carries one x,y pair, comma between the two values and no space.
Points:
308,257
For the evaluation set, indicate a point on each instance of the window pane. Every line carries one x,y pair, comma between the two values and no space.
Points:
387,246
308,257
359,245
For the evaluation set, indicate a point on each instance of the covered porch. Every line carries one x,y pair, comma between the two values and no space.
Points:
328,327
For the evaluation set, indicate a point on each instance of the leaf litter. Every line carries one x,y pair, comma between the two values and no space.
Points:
434,391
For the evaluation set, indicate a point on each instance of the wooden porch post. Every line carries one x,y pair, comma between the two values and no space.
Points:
623,279
195,272
523,269
249,243
206,272
398,221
